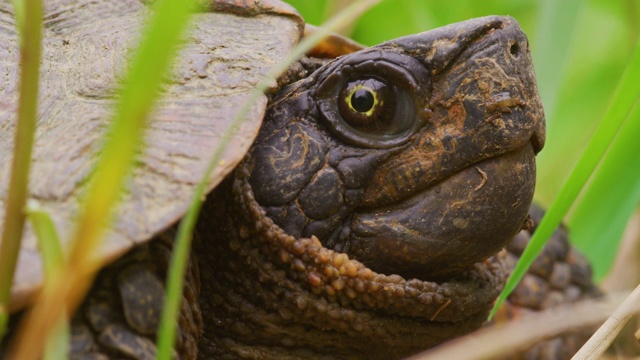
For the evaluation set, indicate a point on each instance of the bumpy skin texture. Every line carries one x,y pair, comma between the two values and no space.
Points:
253,310
267,293
560,273
119,318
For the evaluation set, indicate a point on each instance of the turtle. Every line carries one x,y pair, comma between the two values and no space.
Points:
361,210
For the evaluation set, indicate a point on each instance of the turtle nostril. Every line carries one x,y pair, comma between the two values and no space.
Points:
515,50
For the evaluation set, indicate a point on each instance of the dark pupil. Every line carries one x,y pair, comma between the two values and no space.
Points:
368,105
362,100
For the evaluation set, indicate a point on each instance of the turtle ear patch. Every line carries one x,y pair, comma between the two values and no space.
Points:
375,98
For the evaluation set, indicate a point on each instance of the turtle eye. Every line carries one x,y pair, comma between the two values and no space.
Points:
368,105
373,99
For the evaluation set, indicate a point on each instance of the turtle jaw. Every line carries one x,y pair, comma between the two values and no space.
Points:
450,225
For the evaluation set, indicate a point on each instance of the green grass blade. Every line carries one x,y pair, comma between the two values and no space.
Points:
624,99
30,30
140,89
601,46
19,13
153,57
48,239
57,346
175,277
615,186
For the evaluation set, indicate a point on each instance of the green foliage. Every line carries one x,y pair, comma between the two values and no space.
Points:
57,346
614,189
601,47
29,21
48,240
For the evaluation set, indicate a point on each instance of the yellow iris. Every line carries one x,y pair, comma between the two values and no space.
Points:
370,91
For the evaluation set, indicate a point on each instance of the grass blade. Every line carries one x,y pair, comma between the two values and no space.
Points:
140,89
57,346
179,258
624,99
138,95
503,341
615,186
48,239
602,339
29,19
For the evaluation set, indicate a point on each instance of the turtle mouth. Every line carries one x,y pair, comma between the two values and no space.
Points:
537,140
451,224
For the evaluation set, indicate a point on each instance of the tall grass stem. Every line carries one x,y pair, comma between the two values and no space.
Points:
29,20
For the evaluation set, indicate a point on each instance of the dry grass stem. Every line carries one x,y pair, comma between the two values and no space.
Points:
605,335
625,273
507,338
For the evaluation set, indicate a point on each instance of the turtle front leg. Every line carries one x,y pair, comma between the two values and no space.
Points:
120,317
560,275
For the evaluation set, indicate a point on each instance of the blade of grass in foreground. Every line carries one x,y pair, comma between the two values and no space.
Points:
57,346
615,186
624,99
175,276
29,20
48,241
141,87
498,342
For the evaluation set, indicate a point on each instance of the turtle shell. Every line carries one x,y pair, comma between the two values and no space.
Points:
86,43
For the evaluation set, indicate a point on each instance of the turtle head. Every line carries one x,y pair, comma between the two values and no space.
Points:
415,157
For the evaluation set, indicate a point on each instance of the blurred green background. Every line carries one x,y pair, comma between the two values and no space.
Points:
580,50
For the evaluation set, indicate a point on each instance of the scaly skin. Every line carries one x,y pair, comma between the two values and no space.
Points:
268,294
